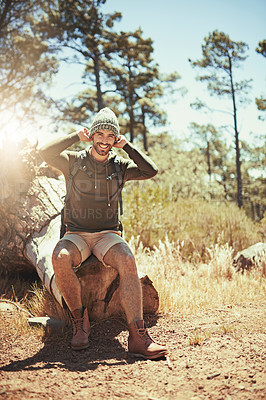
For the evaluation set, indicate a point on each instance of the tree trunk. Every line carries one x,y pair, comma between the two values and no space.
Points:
209,160
237,147
100,104
131,123
30,207
145,140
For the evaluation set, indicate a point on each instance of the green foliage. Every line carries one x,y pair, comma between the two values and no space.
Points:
261,106
207,137
221,167
220,55
254,182
87,34
182,173
26,62
261,49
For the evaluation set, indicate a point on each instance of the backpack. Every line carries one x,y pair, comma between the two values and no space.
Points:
80,164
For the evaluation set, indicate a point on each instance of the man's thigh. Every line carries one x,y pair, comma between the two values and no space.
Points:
119,256
104,242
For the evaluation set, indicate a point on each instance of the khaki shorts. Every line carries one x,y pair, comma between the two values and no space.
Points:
97,243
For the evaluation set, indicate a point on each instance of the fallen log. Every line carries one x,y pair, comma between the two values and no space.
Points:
31,199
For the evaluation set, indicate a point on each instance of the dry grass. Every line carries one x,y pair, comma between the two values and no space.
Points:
183,287
30,299
198,337
21,326
43,304
187,288
14,288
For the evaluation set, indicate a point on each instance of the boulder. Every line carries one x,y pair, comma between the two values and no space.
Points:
250,257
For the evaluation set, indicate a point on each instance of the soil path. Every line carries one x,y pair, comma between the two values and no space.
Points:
218,354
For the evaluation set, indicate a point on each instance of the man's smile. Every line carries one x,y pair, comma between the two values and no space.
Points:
103,146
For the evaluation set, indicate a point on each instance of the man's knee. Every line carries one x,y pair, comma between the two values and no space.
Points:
65,253
121,258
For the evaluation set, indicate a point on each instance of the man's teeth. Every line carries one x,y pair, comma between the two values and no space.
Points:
104,146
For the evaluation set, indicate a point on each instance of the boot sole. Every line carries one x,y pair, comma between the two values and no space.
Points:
80,347
151,357
85,346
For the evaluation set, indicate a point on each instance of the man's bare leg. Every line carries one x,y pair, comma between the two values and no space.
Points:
140,343
65,256
121,258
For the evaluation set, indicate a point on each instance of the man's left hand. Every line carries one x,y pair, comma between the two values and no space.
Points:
121,142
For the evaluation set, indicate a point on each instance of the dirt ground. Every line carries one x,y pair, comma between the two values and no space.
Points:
217,354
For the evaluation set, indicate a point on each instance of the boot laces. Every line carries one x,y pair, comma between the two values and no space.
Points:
78,324
143,333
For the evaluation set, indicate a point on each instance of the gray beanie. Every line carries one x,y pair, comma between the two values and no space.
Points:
105,119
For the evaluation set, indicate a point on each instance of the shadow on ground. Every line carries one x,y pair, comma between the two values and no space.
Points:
104,349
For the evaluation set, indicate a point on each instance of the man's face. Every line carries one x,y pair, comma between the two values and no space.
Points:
103,141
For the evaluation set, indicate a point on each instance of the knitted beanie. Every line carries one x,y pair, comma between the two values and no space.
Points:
105,119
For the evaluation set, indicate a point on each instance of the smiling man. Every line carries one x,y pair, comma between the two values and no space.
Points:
102,144
92,223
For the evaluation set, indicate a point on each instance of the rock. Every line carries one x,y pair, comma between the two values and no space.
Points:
250,257
7,306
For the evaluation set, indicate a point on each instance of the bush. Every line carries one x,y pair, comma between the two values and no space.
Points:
151,215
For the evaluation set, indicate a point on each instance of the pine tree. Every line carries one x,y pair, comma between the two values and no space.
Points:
138,83
220,57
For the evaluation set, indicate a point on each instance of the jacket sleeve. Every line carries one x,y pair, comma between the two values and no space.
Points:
55,154
140,166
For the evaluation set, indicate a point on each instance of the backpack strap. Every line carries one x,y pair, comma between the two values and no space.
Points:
119,176
78,164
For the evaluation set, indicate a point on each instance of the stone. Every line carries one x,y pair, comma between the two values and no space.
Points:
250,257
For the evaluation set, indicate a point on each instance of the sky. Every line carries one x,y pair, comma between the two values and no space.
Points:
177,29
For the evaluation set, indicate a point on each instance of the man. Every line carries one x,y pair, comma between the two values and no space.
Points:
92,225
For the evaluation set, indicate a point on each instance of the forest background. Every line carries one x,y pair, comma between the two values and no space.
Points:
61,61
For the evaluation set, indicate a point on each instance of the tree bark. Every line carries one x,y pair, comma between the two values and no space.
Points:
30,212
145,140
100,103
237,147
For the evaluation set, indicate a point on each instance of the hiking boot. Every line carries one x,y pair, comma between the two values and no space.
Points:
140,344
81,329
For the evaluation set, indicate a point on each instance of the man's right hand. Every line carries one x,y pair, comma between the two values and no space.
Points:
84,135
